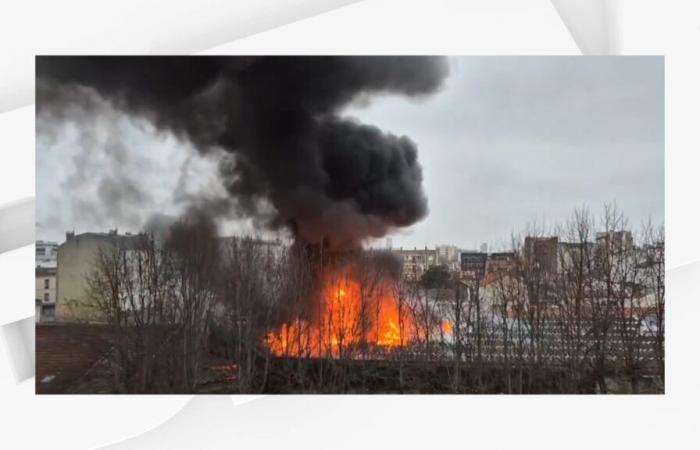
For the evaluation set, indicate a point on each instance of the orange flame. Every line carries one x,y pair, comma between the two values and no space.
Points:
446,326
351,315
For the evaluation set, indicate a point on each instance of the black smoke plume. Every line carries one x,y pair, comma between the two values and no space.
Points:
329,178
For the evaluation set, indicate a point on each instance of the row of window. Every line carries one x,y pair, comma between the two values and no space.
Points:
47,285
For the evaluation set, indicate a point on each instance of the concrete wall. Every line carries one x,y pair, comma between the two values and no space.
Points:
76,261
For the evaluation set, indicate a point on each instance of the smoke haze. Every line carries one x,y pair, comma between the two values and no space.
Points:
285,156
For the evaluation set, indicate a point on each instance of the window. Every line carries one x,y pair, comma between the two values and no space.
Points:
48,313
47,283
46,297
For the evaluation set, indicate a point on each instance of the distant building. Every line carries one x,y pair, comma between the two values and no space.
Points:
571,254
542,251
501,262
45,280
273,247
617,240
611,247
46,284
448,255
473,264
76,262
484,248
46,253
45,293
415,262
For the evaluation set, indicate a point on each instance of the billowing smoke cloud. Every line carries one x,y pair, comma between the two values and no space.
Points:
327,177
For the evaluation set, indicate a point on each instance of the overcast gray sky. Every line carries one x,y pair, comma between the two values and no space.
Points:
513,140
509,140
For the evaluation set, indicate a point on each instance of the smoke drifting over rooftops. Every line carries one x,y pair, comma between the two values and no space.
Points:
278,119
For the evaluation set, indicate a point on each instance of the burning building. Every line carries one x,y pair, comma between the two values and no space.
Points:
356,311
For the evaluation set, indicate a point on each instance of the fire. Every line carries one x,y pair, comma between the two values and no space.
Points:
290,339
391,336
446,326
353,315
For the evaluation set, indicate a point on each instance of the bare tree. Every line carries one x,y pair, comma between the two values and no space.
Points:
574,286
458,327
195,258
251,285
653,273
132,287
290,319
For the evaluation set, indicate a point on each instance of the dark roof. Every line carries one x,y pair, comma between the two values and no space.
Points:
65,352
499,255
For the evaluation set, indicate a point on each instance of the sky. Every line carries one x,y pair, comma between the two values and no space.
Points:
507,141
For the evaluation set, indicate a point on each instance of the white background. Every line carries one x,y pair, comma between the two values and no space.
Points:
371,26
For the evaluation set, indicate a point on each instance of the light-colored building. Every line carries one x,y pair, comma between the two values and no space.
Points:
621,239
274,247
45,280
572,254
415,262
448,255
46,285
46,253
45,293
76,262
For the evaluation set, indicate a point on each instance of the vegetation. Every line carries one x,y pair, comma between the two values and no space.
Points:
293,319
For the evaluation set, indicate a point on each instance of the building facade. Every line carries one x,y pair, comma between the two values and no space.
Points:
76,260
46,253
46,285
45,293
448,255
417,261
473,264
500,262
542,251
45,280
